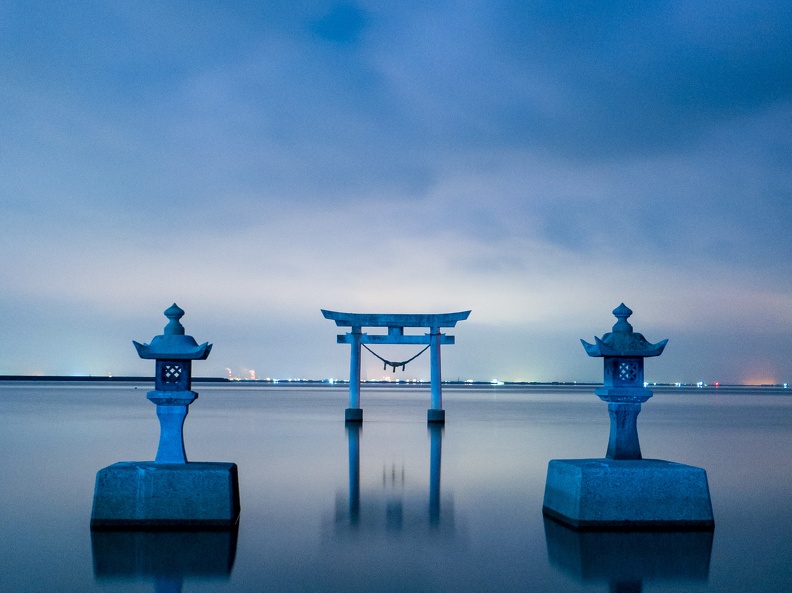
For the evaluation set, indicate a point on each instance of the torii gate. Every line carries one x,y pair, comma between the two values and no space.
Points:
395,324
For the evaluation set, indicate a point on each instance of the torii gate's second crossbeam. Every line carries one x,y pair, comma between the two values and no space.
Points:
395,322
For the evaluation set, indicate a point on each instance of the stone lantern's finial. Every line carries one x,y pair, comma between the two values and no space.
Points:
174,313
622,312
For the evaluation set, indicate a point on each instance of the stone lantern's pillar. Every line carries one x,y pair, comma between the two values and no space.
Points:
173,352
623,489
623,352
168,491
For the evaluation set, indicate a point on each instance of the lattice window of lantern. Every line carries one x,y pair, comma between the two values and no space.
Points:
628,371
171,373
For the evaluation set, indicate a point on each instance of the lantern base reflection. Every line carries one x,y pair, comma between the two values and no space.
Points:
626,559
145,493
162,554
647,493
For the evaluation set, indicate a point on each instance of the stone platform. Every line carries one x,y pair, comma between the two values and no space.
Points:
148,494
643,493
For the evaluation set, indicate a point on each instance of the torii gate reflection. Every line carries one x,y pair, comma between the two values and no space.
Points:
434,508
395,324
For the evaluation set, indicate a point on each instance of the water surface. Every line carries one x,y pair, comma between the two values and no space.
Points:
394,506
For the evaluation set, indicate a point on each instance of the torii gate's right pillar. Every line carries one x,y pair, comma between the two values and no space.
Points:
436,413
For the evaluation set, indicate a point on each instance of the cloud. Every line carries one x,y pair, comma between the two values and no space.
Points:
224,110
344,23
538,163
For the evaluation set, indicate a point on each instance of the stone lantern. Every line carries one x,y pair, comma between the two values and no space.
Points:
623,490
174,352
623,387
168,492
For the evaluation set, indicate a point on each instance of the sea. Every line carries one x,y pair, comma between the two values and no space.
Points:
394,504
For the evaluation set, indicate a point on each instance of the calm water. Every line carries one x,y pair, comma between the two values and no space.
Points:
395,506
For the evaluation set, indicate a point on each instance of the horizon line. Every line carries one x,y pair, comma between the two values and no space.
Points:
334,382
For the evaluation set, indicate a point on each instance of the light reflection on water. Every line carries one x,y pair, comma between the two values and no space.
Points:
393,505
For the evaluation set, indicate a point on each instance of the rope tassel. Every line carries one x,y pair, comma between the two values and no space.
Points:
394,365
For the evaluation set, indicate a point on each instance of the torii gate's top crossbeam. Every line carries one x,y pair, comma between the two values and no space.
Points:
395,319
395,322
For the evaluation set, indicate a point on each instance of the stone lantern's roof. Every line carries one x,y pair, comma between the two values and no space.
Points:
173,344
623,341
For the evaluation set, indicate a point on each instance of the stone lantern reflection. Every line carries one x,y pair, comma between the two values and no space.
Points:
623,386
174,352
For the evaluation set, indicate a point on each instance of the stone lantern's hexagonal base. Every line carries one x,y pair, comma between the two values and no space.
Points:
148,494
645,493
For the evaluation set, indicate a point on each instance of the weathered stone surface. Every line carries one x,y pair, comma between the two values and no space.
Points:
623,440
144,493
627,493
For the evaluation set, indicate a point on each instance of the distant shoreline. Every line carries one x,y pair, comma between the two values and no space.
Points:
340,382
91,378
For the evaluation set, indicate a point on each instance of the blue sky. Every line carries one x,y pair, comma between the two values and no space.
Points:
536,162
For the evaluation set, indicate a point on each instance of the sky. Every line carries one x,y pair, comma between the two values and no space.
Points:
537,163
